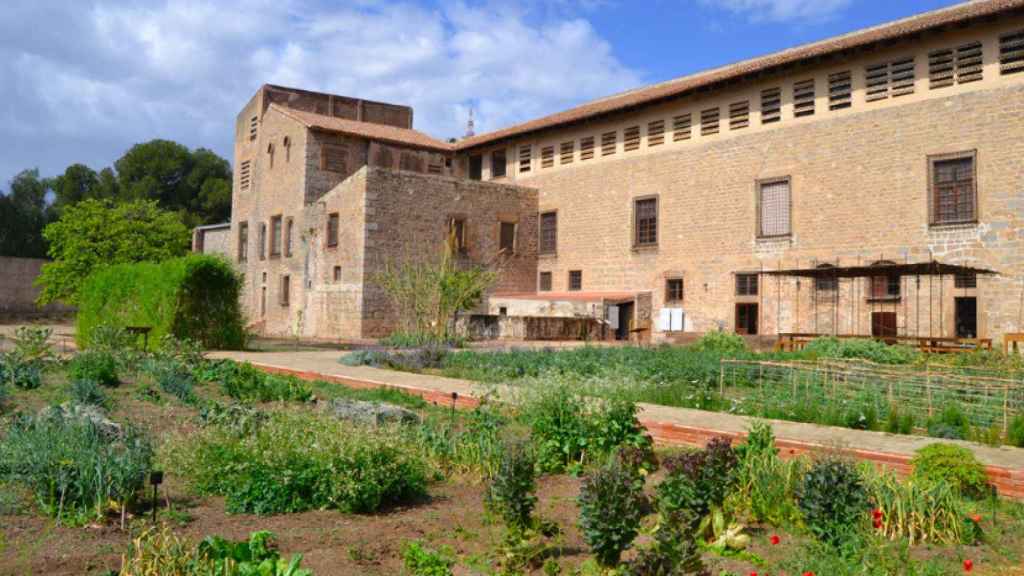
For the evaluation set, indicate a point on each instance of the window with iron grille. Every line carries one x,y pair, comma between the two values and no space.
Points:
656,133
674,290
525,158
499,166
1011,53
545,282
709,122
547,157
244,174
840,90
968,63
746,284
609,143
288,229
476,167
739,115
333,157
276,232
953,189
254,124
333,223
631,139
771,105
645,213
285,294
803,98
567,152
966,280
826,283
548,232
263,240
587,148
507,238
774,200
243,241
682,127
575,280
457,234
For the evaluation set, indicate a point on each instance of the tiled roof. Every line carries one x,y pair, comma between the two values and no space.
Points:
379,132
861,38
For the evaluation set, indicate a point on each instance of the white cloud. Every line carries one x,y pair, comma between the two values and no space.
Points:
103,75
782,10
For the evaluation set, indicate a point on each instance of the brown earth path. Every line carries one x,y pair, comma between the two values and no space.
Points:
668,425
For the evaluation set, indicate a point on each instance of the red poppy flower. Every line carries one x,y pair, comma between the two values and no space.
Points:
808,573
976,518
968,565
753,574
774,539
876,523
876,513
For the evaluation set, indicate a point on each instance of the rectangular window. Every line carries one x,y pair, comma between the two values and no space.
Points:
803,98
263,240
547,157
525,158
586,148
840,90
968,63
567,152
709,122
507,238
1011,53
631,139
575,280
243,241
476,167
337,273
645,223
545,282
286,285
966,280
608,143
877,81
739,115
656,133
254,124
940,68
771,105
413,162
682,127
457,234
746,284
334,157
889,79
674,290
884,287
953,190
244,175
288,229
333,223
498,164
774,201
902,77
275,236
548,232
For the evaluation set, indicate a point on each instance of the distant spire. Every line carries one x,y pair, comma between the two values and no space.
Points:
469,125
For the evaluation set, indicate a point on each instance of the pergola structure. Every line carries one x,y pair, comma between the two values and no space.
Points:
886,293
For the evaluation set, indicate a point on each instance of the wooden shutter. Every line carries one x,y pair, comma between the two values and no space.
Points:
771,105
739,115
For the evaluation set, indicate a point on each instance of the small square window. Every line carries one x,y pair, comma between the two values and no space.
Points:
545,281
966,280
575,280
674,290
746,284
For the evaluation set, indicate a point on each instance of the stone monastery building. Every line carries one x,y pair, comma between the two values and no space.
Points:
669,209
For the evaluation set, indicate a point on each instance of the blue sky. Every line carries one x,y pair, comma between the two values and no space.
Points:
101,75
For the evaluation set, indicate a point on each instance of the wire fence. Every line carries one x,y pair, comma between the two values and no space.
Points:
797,389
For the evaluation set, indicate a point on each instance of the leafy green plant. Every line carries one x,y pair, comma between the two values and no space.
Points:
861,348
420,560
1015,433
950,424
952,464
674,551
898,421
162,552
767,483
511,492
920,512
235,418
89,392
400,339
832,499
179,384
20,374
243,381
611,504
95,365
32,344
721,342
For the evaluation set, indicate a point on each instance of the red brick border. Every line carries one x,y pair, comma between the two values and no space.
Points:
1009,482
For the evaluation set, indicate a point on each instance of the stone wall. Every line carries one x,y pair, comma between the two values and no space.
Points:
17,292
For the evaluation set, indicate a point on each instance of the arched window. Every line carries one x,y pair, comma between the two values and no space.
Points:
886,285
826,283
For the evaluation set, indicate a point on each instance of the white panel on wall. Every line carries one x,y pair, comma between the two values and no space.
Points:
613,317
677,319
665,319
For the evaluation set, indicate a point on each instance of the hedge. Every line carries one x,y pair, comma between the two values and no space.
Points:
192,297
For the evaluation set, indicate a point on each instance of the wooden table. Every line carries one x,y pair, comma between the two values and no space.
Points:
144,330
1013,341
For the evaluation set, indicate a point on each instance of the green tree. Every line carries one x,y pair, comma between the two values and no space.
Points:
95,233
77,183
23,214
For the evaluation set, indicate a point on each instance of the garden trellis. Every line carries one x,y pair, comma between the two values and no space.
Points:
987,400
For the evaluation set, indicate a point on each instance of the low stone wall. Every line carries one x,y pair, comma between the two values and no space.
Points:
18,293
494,327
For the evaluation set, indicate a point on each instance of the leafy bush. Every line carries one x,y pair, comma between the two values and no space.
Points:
832,499
952,464
724,343
192,297
511,493
767,483
427,357
401,339
73,467
297,462
1015,434
950,424
700,480
471,445
88,392
32,344
611,503
236,418
19,374
674,551
243,381
422,561
179,384
898,421
95,365
161,552
861,348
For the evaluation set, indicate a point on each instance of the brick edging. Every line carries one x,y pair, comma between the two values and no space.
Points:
1008,482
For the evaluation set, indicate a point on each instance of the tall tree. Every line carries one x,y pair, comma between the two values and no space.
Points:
95,233
23,214
77,183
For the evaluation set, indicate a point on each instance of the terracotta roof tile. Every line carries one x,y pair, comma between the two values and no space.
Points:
380,132
893,30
